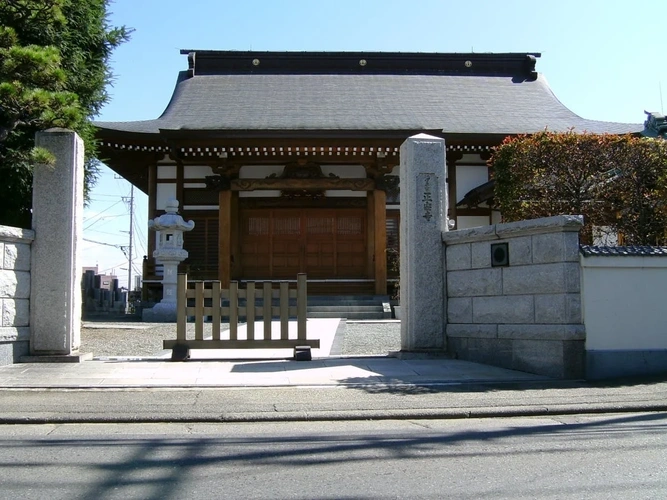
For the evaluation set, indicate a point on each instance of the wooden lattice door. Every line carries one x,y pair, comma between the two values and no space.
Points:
324,243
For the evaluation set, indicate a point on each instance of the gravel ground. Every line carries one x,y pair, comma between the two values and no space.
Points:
145,339
371,338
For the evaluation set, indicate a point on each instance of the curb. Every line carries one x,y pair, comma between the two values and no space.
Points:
347,415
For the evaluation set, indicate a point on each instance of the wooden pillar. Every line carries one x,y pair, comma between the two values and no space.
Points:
180,181
152,204
380,224
452,158
225,238
370,235
235,249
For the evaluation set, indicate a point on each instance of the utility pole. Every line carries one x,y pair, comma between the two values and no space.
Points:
129,267
129,200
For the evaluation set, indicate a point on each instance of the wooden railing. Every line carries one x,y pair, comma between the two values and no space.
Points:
205,299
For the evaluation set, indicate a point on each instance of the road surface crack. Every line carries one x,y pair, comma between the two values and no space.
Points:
420,424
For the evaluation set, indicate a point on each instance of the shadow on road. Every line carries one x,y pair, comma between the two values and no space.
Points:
168,467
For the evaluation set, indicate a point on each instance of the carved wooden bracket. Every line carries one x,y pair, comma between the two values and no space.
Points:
381,166
302,169
454,156
388,183
218,182
224,166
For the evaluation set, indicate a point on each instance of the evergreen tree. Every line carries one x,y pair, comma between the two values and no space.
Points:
54,71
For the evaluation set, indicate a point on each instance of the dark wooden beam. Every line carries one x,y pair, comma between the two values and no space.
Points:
291,184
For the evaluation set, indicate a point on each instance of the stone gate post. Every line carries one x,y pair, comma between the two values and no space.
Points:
57,216
423,184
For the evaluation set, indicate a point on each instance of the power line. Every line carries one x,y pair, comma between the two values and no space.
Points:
102,232
97,217
106,195
102,243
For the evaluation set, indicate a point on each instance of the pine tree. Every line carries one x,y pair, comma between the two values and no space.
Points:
54,72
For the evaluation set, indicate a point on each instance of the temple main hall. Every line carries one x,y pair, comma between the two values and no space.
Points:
288,162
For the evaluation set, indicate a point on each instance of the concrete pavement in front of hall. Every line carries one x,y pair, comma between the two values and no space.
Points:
265,368
353,371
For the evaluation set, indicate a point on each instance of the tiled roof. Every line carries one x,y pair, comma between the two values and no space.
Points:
630,251
454,103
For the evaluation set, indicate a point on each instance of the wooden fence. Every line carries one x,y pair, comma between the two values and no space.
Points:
208,300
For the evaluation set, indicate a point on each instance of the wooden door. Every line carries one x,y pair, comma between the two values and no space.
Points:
324,243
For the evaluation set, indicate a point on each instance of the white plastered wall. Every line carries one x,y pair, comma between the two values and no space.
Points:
164,191
468,221
623,301
471,171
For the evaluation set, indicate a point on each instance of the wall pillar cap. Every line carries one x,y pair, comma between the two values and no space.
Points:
16,234
555,224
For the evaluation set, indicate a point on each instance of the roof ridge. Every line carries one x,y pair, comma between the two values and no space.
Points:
219,62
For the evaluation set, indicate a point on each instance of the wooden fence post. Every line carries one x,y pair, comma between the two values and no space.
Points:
181,305
234,310
250,310
215,310
301,303
199,310
268,313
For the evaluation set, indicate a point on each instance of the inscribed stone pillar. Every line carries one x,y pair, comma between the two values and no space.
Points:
57,215
423,218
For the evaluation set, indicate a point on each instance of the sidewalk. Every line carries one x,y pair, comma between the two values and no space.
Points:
331,387
256,367
198,373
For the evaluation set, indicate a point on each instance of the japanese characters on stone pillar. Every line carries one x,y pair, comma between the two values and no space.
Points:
423,219
169,253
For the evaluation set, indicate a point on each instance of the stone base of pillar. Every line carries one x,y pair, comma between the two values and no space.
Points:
76,357
421,354
163,312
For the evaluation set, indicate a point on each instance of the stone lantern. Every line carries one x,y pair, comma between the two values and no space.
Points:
169,253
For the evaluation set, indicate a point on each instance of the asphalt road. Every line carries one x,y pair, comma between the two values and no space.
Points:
596,457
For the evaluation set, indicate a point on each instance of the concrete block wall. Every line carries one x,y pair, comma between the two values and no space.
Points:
14,293
526,315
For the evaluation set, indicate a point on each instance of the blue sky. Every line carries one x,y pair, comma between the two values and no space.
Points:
603,59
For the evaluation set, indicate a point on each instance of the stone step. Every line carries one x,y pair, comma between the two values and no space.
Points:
350,308
338,298
350,315
348,300
347,303
342,306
